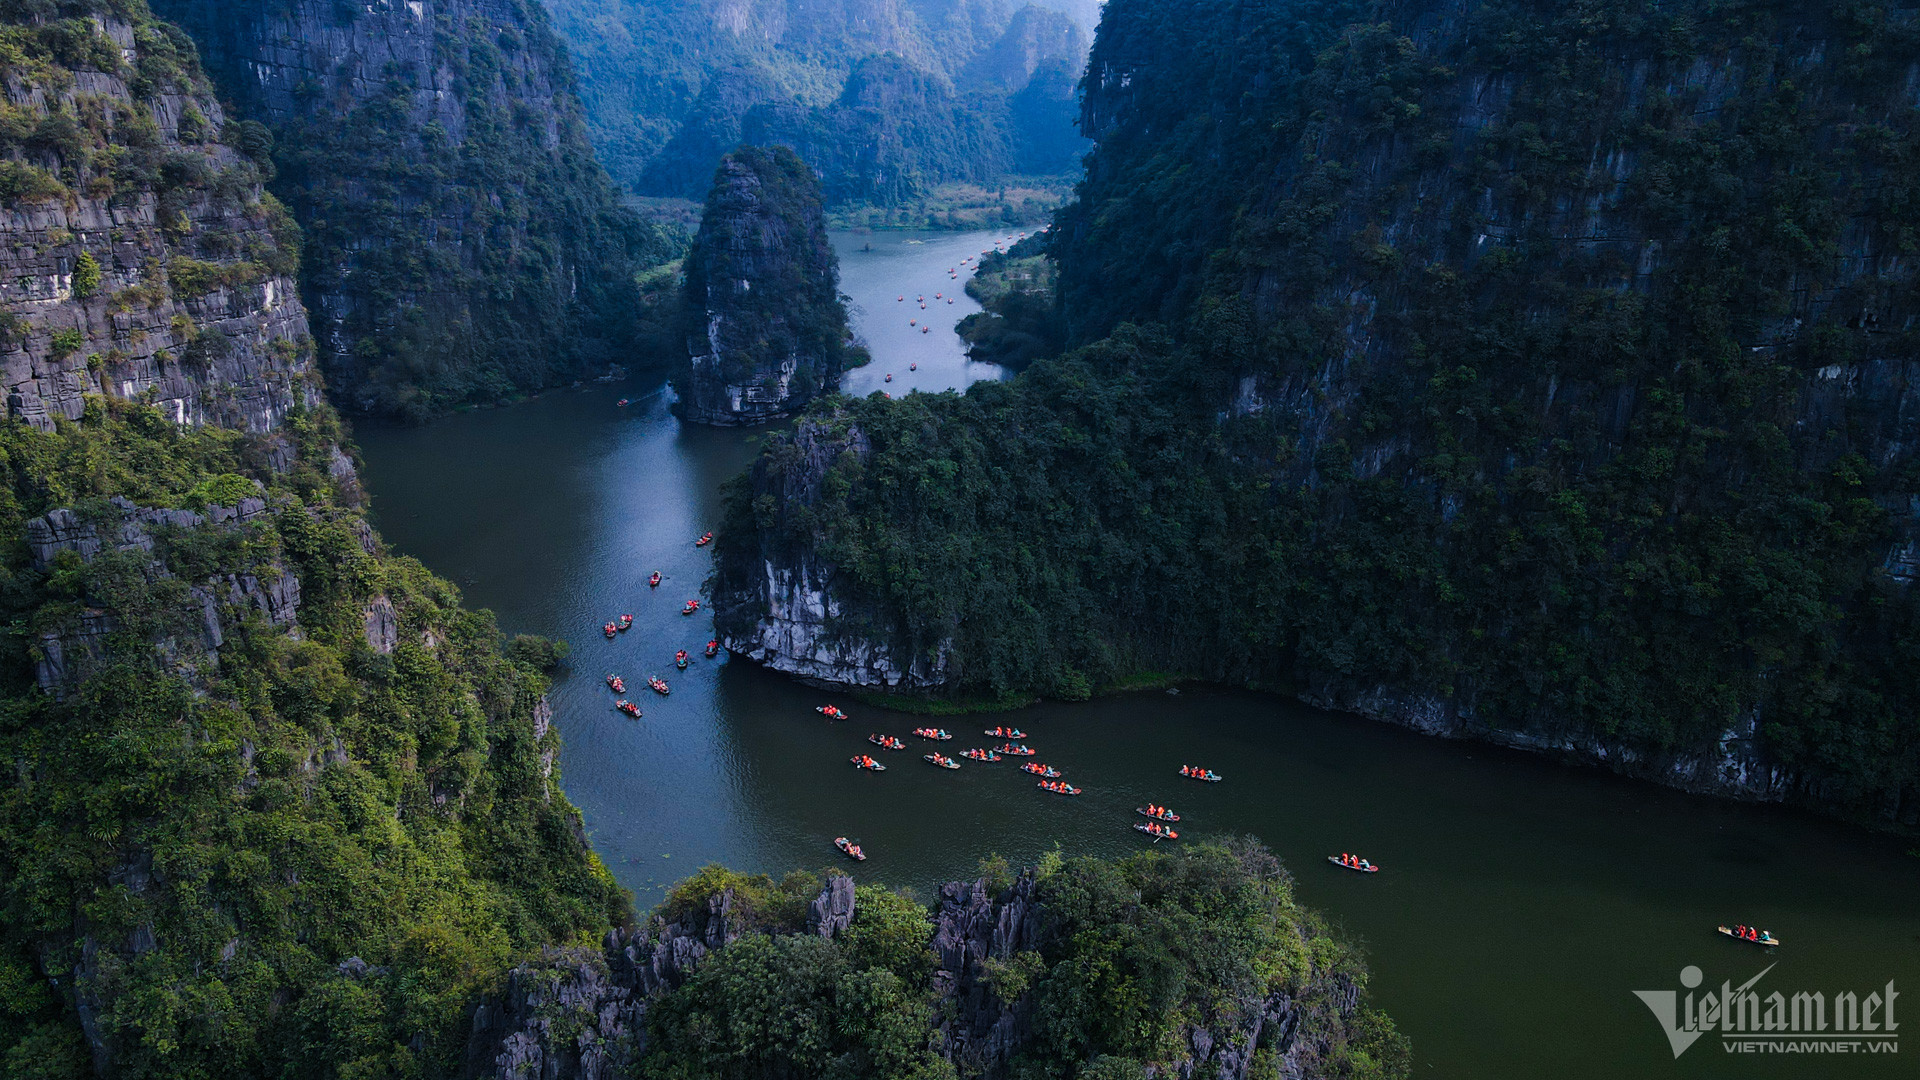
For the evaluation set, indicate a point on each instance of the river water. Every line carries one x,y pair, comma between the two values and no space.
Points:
1521,904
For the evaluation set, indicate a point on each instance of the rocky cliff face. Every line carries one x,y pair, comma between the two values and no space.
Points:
464,243
580,1015
141,258
768,331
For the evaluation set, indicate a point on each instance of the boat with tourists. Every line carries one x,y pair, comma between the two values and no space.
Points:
862,761
1195,772
611,630
886,742
831,712
1006,733
616,684
1354,863
1749,935
1038,769
1156,830
626,623
980,755
680,659
850,849
941,760
1058,787
936,734
658,685
628,707
705,539
654,581
1157,813
692,606
713,648
1016,749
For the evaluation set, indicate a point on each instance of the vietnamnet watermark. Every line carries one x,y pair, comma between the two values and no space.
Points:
1778,1023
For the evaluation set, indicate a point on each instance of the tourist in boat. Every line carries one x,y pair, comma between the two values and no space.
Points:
889,376
713,647
913,367
692,606
626,622
610,630
654,581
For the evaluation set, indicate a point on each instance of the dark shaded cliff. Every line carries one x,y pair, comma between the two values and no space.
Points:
1197,963
886,99
1530,374
766,328
462,243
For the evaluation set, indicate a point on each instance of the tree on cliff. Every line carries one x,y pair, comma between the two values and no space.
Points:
766,328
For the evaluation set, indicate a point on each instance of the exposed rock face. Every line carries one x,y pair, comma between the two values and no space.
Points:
767,330
211,607
579,1016
166,275
777,605
463,243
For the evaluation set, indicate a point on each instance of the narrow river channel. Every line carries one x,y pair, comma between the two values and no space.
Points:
1521,905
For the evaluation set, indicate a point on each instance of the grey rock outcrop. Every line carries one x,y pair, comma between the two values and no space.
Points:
191,302
213,606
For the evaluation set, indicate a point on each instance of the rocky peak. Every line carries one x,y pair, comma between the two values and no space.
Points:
767,329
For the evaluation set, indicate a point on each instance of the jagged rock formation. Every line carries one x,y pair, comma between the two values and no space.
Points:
464,245
141,258
581,1015
767,329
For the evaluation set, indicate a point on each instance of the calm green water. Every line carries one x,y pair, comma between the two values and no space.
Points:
1521,904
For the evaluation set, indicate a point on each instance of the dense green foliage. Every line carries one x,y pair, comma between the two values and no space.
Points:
195,842
1132,955
885,100
1022,320
459,250
1435,412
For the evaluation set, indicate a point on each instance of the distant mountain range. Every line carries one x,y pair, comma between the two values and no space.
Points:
885,98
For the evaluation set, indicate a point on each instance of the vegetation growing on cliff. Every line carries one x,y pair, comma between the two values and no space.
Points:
1126,958
1575,402
763,315
886,100
193,847
463,244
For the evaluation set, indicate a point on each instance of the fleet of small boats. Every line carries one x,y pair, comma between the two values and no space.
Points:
936,734
850,849
941,760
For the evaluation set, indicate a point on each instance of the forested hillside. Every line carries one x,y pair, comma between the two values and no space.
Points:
463,245
273,803
884,98
1519,370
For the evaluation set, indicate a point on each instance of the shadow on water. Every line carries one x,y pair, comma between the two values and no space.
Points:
1521,903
